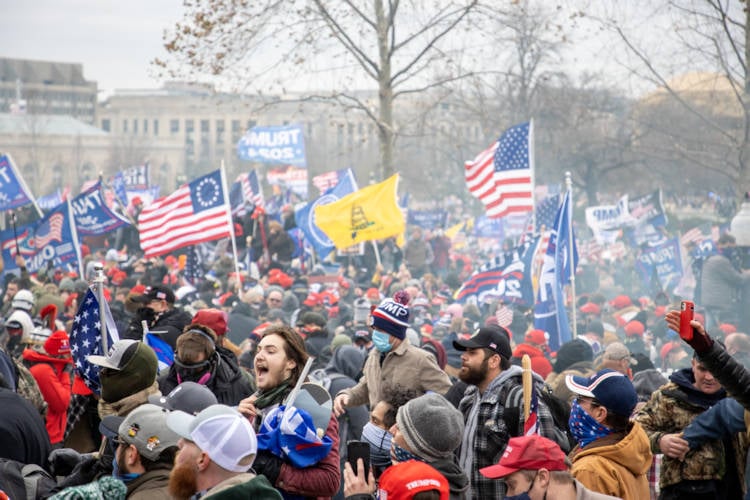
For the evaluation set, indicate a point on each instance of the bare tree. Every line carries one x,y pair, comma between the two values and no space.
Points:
401,45
709,121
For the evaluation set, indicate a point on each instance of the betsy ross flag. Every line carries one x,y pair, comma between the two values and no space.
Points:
531,421
86,338
501,176
195,213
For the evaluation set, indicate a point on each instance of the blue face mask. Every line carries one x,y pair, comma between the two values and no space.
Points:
584,428
399,454
124,477
381,341
380,444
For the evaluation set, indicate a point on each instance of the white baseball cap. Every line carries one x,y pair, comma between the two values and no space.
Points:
222,432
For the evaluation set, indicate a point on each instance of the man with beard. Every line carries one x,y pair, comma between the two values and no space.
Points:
279,361
494,390
145,452
217,448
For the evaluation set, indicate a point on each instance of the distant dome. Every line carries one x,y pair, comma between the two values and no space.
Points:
699,87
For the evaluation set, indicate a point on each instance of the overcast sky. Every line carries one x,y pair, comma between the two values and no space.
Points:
115,41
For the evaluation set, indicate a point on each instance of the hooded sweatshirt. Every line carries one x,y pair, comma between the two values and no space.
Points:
458,482
616,465
55,384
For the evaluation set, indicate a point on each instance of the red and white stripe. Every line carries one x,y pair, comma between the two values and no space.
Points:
502,192
169,223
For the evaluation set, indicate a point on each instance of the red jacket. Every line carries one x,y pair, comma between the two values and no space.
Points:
539,363
55,385
321,480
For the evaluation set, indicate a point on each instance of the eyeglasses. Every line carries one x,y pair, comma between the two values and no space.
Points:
590,401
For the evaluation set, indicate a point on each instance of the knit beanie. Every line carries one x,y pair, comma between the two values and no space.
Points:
392,315
573,352
58,344
340,340
138,372
431,426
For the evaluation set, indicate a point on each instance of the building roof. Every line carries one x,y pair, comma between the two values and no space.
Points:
46,125
42,72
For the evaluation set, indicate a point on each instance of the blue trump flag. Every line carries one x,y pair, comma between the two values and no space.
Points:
305,216
164,352
549,311
289,432
13,190
55,241
506,278
92,215
284,145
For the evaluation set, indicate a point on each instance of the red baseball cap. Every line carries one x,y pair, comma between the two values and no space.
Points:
727,328
406,479
633,328
590,308
538,337
215,319
621,302
668,347
527,453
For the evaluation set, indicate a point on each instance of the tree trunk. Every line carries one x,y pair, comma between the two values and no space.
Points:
385,95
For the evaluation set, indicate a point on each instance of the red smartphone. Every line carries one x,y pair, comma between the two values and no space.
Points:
687,311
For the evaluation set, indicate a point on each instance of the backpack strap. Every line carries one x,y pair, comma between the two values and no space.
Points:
512,407
32,475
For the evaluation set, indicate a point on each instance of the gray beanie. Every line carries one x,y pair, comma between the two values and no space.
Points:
431,426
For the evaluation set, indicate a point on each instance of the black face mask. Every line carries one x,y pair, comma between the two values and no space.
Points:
14,343
199,373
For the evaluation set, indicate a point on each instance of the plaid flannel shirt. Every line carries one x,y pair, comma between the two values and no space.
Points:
492,434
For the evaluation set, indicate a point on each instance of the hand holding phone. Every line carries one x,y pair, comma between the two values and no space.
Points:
687,312
355,450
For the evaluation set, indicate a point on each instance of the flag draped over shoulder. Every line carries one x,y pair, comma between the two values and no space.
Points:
86,338
369,214
14,192
549,311
501,176
195,213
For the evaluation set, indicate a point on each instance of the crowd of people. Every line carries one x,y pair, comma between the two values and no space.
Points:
434,387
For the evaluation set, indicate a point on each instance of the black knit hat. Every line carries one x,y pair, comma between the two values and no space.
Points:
573,352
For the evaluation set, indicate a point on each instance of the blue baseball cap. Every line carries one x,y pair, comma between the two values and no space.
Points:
609,387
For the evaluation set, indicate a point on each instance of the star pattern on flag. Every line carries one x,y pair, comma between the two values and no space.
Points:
85,340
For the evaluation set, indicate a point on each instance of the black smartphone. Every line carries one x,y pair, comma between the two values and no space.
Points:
355,450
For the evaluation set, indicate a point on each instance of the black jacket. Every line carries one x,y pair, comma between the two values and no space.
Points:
168,325
241,323
730,373
228,383
23,435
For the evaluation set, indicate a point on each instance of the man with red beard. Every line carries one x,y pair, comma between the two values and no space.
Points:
494,390
217,448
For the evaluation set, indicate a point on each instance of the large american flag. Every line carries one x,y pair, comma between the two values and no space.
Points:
501,175
86,338
195,213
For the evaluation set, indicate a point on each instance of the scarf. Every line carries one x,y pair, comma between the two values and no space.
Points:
380,444
273,396
584,427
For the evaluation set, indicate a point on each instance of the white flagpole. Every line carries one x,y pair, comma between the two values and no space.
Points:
76,241
531,172
230,224
571,255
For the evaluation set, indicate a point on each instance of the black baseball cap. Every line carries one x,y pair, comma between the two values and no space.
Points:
492,337
156,292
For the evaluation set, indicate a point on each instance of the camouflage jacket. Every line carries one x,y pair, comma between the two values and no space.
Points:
668,411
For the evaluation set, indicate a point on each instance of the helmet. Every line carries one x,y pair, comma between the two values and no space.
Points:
23,299
20,320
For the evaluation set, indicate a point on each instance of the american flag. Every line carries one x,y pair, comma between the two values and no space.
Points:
500,176
49,231
546,211
86,338
245,194
195,213
531,421
326,181
699,234
193,270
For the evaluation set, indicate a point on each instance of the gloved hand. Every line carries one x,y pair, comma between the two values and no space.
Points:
268,464
84,472
63,460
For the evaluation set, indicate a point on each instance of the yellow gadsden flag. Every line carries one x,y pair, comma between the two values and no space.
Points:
369,214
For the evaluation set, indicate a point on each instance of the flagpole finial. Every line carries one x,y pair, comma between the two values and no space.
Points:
100,279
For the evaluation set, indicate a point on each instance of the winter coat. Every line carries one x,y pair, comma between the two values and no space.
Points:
318,345
55,383
670,410
720,282
228,383
151,485
407,365
243,486
616,465
539,362
487,432
124,406
168,325
556,381
23,436
281,247
457,479
241,323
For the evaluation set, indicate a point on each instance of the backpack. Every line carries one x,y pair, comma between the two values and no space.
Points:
557,407
28,388
321,377
25,481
